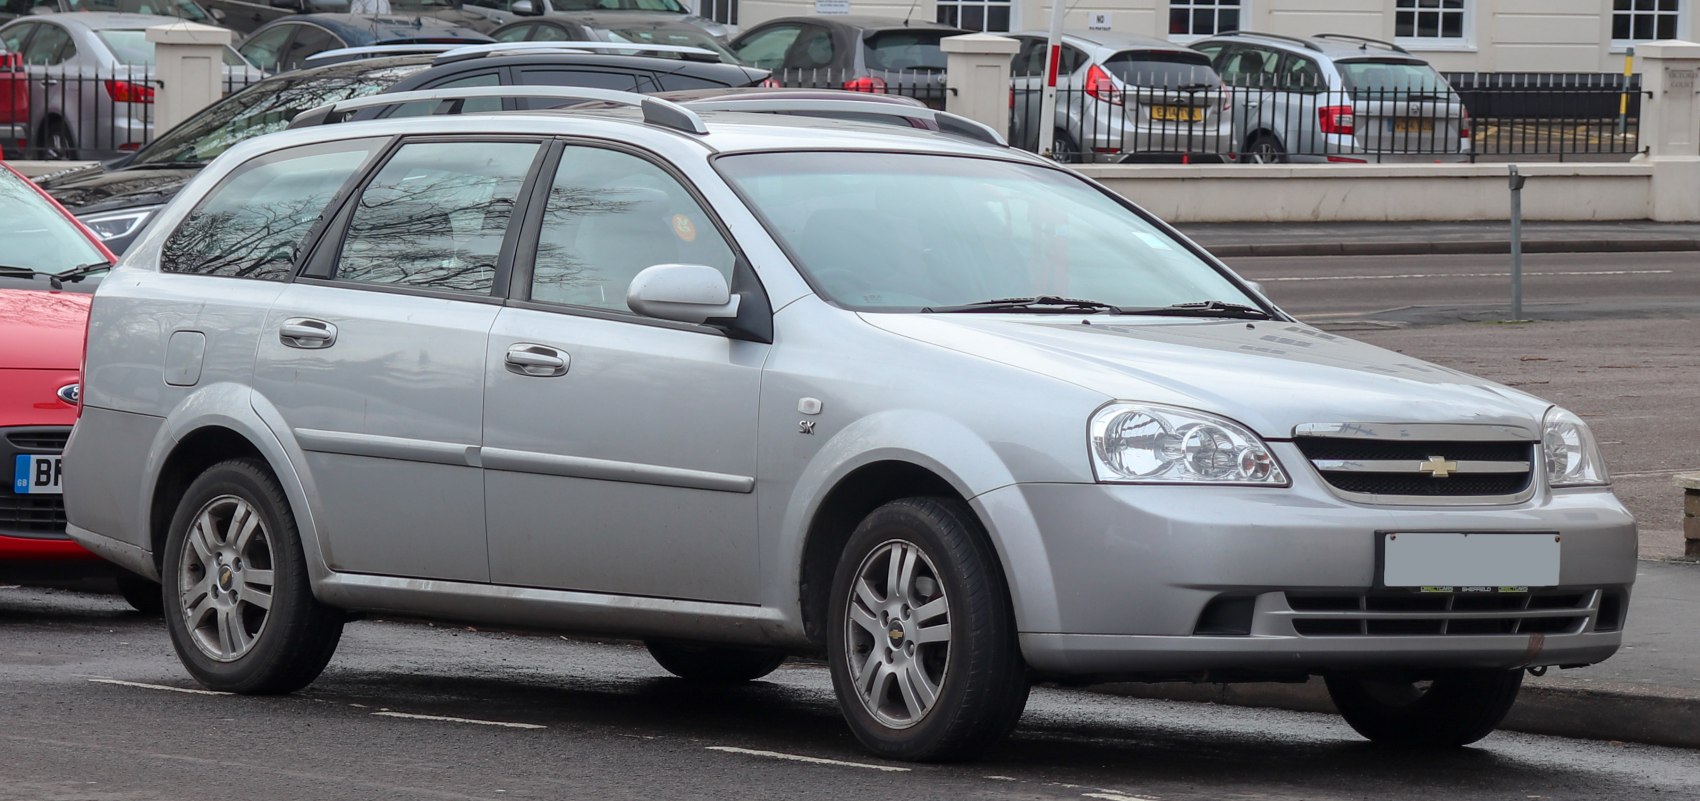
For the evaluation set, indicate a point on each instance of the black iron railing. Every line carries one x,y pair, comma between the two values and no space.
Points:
60,113
926,86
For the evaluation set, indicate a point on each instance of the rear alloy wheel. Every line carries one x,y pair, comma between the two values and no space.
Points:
1452,709
243,617
922,649
714,664
1265,150
57,141
1064,150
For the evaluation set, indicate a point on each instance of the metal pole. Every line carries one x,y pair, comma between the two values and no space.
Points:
1623,98
1517,180
1048,97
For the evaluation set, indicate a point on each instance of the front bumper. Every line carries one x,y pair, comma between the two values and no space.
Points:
1133,581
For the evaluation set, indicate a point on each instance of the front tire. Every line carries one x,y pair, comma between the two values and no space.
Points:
921,640
714,664
242,614
1453,709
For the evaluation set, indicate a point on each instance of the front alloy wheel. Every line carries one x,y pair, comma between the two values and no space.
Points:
897,638
922,644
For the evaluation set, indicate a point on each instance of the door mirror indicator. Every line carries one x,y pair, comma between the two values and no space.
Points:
686,293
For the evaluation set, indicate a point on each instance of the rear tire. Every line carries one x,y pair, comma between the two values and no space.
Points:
714,664
950,682
1064,150
141,594
1454,709
1265,149
242,614
57,141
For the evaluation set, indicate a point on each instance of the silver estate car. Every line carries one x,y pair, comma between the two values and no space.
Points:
685,377
1336,98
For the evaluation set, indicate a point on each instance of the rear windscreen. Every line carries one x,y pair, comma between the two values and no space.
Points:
1163,69
1391,75
897,51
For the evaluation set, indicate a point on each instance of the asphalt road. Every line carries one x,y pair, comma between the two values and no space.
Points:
94,707
1433,289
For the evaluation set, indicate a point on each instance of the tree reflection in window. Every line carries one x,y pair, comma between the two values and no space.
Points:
609,216
435,216
252,224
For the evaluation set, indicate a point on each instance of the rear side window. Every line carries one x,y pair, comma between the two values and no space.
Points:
252,224
1163,69
435,216
51,45
905,50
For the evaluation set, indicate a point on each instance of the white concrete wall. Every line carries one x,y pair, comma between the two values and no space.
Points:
1381,193
1503,35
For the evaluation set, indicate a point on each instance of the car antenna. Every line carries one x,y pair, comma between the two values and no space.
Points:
910,12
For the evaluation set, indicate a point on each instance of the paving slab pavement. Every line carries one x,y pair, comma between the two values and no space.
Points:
1233,240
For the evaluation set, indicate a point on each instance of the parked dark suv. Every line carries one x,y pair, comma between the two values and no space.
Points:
118,201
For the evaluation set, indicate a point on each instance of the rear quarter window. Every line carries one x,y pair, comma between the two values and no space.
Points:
255,221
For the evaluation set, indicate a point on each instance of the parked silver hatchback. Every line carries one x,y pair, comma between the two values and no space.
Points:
689,378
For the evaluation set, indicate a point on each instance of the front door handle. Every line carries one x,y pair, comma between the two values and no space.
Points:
539,361
307,333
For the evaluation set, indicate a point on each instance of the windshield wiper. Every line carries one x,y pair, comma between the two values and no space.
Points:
1205,308
1044,304
56,279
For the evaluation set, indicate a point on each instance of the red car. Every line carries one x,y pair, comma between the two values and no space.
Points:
47,261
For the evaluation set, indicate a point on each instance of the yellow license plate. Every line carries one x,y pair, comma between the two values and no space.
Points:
1177,113
1413,125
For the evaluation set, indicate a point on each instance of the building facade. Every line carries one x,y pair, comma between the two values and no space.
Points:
1457,35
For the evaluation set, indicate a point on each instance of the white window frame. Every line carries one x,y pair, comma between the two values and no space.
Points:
1466,41
1015,21
1245,13
1622,45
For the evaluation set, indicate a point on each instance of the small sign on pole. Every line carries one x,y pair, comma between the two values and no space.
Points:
828,8
1098,21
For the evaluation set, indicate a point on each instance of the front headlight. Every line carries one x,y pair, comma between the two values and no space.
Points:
1147,443
110,225
1572,457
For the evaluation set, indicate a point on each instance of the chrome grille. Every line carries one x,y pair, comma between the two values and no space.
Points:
1401,463
1396,613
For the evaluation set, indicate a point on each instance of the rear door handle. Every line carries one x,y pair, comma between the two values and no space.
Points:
539,361
307,333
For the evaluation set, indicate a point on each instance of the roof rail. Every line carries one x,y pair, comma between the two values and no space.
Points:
1306,43
464,52
656,111
383,50
1363,41
948,123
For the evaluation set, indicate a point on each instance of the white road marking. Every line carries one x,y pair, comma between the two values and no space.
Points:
1407,276
446,719
1109,795
809,759
1001,778
168,689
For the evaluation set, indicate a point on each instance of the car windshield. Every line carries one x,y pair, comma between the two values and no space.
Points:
175,8
265,107
902,233
37,236
684,37
1391,76
132,48
896,51
1163,69
672,6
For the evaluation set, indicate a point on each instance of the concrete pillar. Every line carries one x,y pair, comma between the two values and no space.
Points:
189,66
1690,484
1670,127
977,83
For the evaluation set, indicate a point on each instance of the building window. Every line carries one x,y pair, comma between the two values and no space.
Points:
976,15
1428,21
1644,20
1192,18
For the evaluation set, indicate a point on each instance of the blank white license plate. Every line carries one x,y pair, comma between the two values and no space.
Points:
36,475
1474,561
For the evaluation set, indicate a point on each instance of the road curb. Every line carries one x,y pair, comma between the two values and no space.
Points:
1626,713
1445,247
